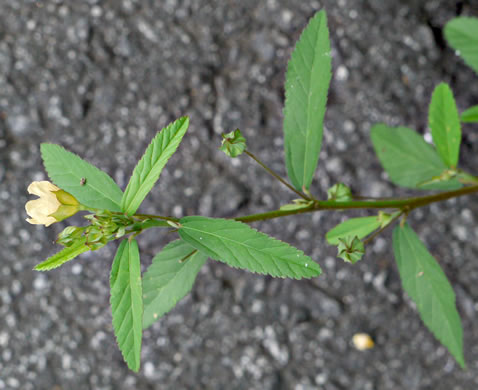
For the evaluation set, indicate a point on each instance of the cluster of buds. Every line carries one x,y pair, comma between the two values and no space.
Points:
55,205
104,228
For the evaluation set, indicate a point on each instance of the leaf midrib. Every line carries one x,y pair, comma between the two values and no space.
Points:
143,182
433,288
242,244
133,282
309,97
176,275
88,185
438,123
120,294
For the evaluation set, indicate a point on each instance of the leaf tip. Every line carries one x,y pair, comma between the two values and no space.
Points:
184,119
134,366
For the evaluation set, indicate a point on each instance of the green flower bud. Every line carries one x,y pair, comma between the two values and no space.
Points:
233,143
350,249
339,192
69,235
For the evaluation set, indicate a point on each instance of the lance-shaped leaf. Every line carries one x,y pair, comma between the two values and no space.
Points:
148,169
470,115
425,282
462,35
306,87
66,254
127,302
91,186
445,125
408,159
240,246
169,278
359,227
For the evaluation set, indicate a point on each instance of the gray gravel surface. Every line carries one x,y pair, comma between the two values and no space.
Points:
101,77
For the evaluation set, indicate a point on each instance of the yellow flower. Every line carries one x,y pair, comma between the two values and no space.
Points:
53,205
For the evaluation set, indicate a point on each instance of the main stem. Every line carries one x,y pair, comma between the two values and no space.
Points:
405,204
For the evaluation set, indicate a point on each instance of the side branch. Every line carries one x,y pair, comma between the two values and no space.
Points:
276,176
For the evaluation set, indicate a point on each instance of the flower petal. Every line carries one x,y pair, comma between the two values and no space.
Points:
53,204
40,209
47,221
41,188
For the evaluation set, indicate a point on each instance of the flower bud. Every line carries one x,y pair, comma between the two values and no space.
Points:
350,249
339,192
233,143
70,235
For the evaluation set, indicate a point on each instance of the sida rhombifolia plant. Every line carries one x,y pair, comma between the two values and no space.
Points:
111,214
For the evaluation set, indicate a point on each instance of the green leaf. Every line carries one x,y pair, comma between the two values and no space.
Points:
462,35
445,124
240,246
127,302
148,169
66,254
470,115
169,278
360,227
307,83
408,159
91,186
425,282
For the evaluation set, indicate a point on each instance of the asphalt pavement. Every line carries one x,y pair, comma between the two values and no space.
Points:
102,77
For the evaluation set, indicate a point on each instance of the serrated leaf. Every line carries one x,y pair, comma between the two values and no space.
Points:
306,87
240,246
127,302
90,185
470,115
462,35
425,282
445,125
360,227
169,278
408,159
148,169
66,254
